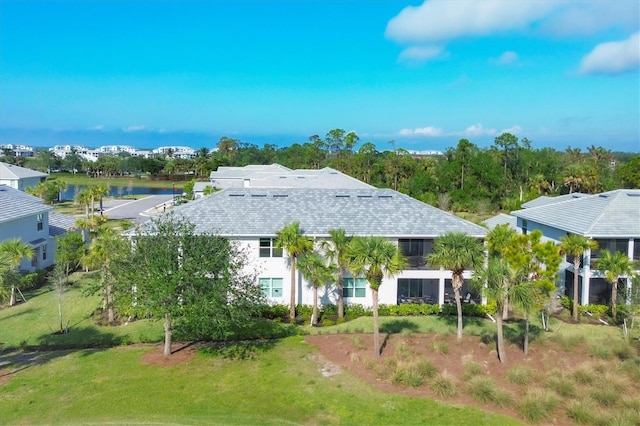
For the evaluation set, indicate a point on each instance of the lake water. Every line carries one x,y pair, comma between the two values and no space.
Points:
119,191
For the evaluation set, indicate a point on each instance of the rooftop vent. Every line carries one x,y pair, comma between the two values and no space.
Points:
365,196
236,195
385,196
280,195
342,196
258,195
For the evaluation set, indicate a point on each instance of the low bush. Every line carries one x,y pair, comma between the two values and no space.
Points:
408,375
538,406
520,375
444,385
581,412
561,385
471,370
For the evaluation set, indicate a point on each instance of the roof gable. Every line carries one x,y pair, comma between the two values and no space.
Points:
261,212
9,171
609,214
15,204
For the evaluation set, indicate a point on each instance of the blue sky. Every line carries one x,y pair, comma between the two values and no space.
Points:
424,74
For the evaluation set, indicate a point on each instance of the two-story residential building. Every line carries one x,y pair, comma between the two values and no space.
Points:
611,218
20,177
252,216
28,218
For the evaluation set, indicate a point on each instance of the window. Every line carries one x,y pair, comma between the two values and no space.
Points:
416,250
636,249
39,221
268,248
44,252
357,288
613,245
271,287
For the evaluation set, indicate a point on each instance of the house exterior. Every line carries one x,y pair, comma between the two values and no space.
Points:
252,216
27,217
611,218
19,177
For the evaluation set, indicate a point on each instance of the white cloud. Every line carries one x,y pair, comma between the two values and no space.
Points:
136,128
613,57
440,20
428,131
508,58
99,127
477,130
514,130
419,53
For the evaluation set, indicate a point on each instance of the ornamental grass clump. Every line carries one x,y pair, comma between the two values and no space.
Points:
407,375
538,405
471,370
562,385
444,385
484,389
581,411
520,375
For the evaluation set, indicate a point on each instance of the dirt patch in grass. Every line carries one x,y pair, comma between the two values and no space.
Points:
181,353
462,361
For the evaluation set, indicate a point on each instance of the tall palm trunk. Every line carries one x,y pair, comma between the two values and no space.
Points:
340,292
292,296
576,270
314,315
502,355
526,333
167,334
614,300
376,326
456,293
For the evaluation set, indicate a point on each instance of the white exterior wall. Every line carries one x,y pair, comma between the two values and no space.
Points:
26,229
278,267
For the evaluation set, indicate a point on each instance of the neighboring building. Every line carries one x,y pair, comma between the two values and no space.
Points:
82,151
28,218
183,152
611,218
18,150
19,177
277,176
251,217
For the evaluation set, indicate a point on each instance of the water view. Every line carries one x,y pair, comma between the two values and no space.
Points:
121,191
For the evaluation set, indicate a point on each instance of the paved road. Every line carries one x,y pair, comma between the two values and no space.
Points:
137,211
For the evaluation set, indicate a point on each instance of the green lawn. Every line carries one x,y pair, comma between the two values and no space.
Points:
279,384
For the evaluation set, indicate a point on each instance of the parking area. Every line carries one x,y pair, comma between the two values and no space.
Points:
137,211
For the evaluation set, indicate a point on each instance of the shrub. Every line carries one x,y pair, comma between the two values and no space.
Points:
482,389
355,311
581,412
407,376
329,310
520,375
426,368
444,385
537,406
630,368
328,322
583,376
605,397
472,369
304,312
561,385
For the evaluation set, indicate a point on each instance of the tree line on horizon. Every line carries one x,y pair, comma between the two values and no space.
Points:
465,178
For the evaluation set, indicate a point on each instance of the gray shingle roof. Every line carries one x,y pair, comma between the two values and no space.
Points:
60,223
608,215
544,200
261,212
15,204
9,171
501,219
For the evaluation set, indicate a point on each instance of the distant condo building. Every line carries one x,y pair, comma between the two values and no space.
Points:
183,152
18,150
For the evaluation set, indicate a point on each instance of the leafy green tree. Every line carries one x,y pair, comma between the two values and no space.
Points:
374,257
15,250
192,282
629,173
575,246
336,250
457,252
292,239
315,269
69,252
49,190
615,265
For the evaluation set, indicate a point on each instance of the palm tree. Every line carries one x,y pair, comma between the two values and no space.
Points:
615,266
499,238
501,282
456,251
575,246
336,250
5,271
374,257
314,268
15,251
291,239
105,249
83,198
98,192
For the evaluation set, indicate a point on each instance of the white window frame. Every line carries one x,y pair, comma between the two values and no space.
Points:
270,287
358,287
271,248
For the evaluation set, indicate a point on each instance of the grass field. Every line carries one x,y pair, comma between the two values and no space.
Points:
278,383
